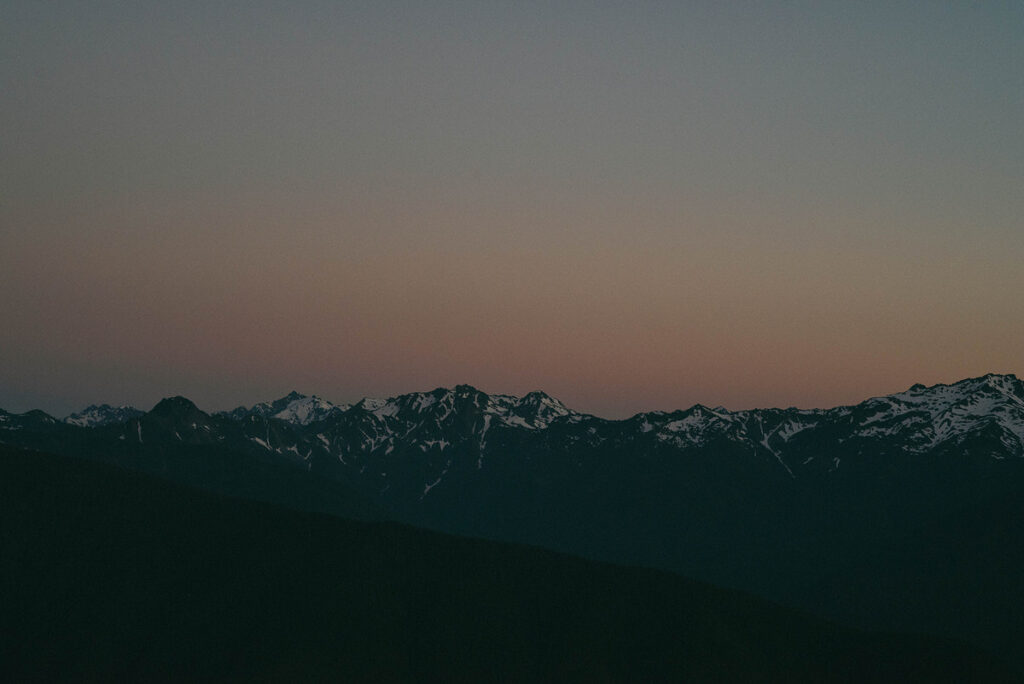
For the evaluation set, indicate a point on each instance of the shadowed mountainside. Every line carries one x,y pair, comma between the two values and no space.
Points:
111,574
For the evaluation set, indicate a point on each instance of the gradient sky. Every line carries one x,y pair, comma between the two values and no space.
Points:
631,206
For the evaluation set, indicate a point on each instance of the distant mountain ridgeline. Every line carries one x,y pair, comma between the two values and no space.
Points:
812,508
980,415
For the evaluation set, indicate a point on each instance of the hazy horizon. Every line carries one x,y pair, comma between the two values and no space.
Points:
630,207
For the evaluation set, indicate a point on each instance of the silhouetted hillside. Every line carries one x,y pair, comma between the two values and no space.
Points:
111,575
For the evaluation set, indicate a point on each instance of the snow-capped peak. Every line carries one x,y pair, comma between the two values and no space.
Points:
934,415
534,410
437,403
104,414
374,404
304,410
294,407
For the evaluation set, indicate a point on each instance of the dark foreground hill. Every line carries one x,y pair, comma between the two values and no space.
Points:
111,575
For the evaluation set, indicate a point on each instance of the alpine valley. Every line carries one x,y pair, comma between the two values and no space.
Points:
903,513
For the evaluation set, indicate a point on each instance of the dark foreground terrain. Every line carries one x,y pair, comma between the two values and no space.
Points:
109,574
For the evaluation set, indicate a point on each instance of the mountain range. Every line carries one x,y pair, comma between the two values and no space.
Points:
899,513
986,414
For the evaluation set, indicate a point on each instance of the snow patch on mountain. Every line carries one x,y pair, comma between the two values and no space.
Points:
533,411
295,408
306,410
407,433
103,414
931,416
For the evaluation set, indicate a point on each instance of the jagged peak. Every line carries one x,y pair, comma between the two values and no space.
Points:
1006,382
95,415
106,407
532,410
465,390
370,404
540,397
702,410
415,401
294,395
279,408
303,409
989,379
1003,376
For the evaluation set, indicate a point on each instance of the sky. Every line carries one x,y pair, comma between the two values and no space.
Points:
631,206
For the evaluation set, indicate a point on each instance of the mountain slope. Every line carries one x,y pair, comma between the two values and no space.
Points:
103,414
959,574
292,408
798,506
111,574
